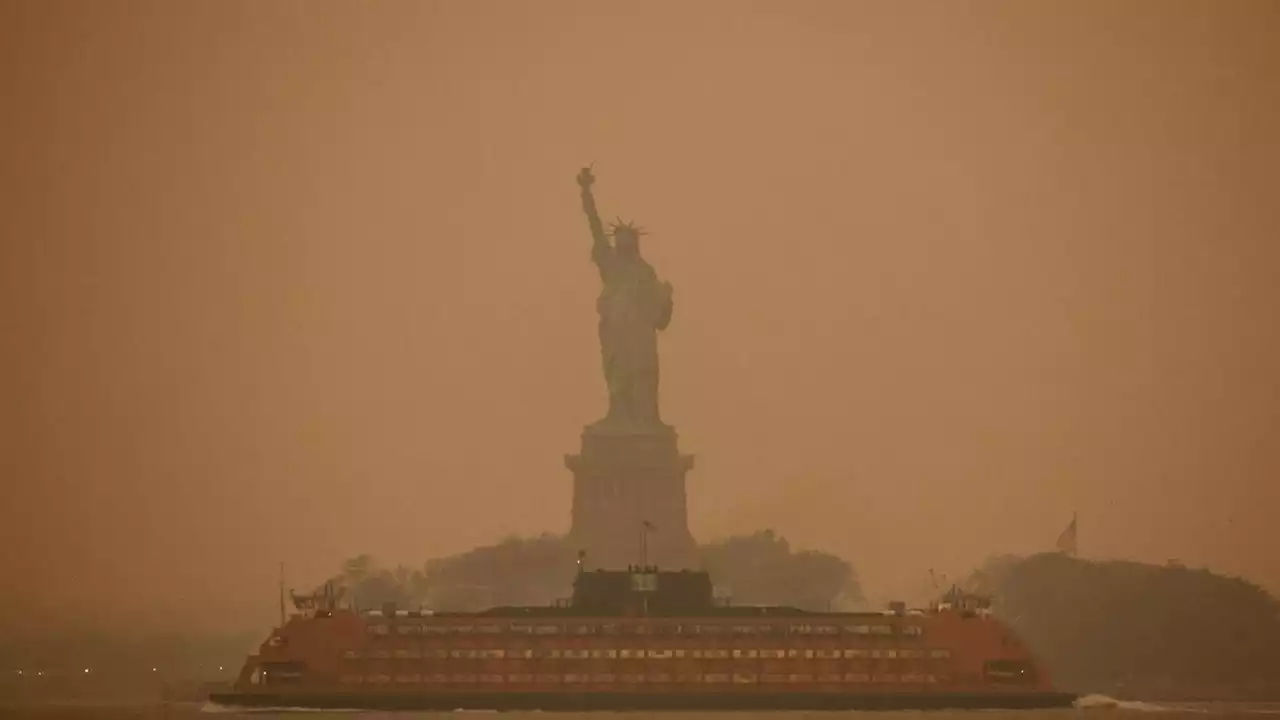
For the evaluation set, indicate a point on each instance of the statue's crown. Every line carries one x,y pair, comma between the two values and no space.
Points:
621,227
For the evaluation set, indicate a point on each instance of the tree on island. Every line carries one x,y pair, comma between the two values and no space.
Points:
756,569
1127,627
763,569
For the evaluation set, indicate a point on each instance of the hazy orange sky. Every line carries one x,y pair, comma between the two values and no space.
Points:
300,280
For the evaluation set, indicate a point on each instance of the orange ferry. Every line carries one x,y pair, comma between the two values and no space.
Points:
643,639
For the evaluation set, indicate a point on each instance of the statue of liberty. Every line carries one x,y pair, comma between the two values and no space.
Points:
633,306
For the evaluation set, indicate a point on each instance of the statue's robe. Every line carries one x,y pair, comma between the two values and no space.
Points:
633,306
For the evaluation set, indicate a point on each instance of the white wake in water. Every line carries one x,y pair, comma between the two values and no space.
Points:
1102,702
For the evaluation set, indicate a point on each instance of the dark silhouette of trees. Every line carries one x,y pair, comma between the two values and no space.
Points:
754,569
1131,628
762,569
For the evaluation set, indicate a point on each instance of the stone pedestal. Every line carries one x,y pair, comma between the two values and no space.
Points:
622,478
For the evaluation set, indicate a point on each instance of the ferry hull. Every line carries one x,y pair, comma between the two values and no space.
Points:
570,702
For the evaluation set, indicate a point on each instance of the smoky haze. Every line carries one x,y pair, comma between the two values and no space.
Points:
296,281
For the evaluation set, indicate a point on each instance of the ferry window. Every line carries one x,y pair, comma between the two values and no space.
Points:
636,629
581,629
1011,671
881,629
857,677
282,673
913,630
744,653
644,582
462,629
351,654
609,629
382,654
710,629
744,630
856,653
940,653
522,629
379,630
488,629
765,629
547,630
378,679
825,630
406,629
659,678
409,678
911,653
603,678
664,630
402,654
520,678
800,629
435,629
858,629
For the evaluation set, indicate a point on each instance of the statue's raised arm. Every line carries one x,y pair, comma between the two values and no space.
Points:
601,250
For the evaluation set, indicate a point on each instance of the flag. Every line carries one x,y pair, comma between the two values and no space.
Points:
1067,540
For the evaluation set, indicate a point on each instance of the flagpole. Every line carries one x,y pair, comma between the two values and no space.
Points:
282,618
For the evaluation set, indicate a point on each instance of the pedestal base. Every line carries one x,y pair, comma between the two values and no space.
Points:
621,479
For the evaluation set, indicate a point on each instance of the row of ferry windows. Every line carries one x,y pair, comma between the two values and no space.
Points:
637,654
612,678
663,629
